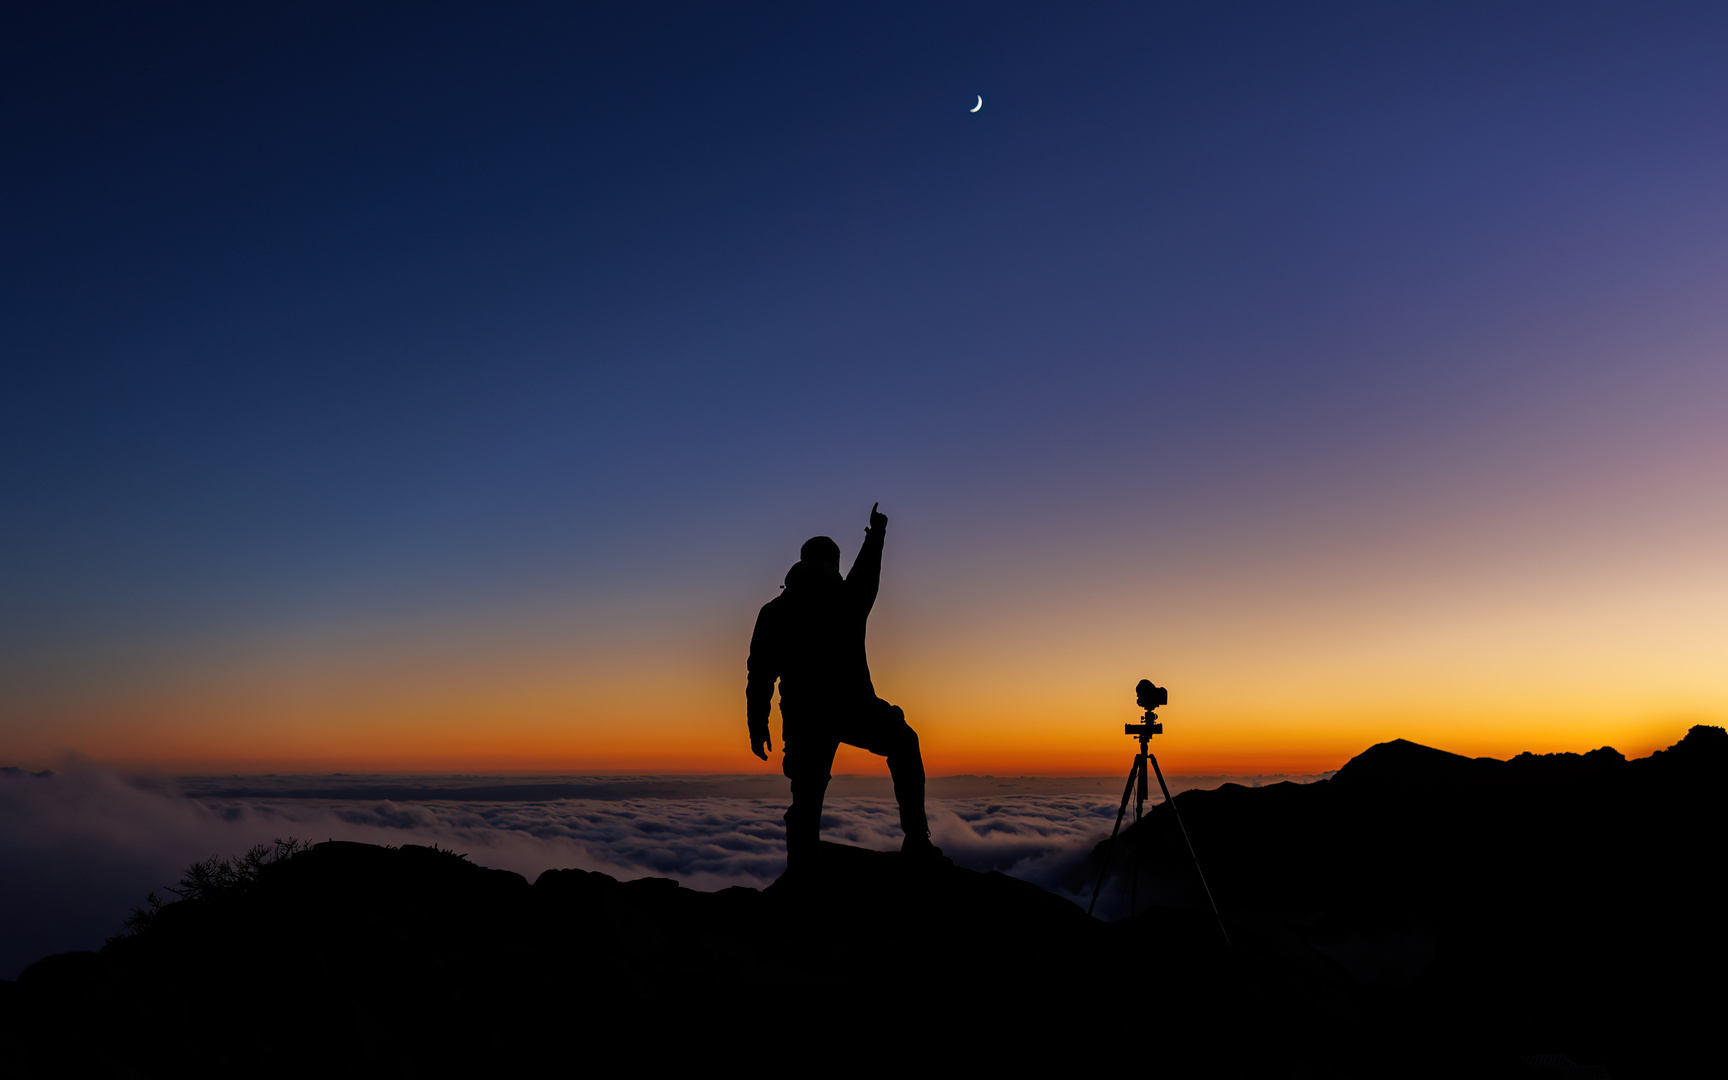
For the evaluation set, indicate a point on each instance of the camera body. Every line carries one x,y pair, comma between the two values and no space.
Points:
1148,697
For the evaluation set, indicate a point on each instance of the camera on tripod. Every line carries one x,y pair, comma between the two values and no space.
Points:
1148,697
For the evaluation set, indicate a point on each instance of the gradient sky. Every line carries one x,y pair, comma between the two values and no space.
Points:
419,386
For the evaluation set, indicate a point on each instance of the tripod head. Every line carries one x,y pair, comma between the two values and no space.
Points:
1148,697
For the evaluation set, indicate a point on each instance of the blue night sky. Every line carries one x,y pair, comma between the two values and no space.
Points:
349,345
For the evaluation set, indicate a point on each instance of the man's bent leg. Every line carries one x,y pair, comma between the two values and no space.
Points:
906,766
882,729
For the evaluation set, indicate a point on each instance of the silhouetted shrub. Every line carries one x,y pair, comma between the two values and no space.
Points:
216,879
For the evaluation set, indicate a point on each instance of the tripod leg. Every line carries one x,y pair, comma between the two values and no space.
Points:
1139,845
1171,803
1133,771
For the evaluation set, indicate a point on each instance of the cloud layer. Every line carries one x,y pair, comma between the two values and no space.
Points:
80,849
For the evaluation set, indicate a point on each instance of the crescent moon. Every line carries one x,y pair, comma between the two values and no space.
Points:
978,106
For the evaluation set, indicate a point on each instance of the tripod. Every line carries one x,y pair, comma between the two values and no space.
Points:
1137,787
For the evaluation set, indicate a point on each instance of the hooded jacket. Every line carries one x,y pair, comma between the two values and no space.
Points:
811,638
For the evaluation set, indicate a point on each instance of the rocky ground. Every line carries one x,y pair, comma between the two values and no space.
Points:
1418,914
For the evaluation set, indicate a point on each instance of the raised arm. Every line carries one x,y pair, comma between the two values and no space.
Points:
866,576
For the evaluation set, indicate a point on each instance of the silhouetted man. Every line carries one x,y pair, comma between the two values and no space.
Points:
811,638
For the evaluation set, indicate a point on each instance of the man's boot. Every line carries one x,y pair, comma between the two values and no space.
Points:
916,826
918,848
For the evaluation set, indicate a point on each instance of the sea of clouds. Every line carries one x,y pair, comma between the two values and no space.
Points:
80,848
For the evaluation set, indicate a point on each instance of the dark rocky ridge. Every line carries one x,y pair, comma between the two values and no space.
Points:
1420,913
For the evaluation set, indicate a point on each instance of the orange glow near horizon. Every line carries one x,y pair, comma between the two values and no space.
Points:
1264,677
546,735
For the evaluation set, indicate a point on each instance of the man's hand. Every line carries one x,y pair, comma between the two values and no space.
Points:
877,520
760,743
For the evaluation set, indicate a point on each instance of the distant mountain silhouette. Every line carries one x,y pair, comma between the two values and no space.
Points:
1419,914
